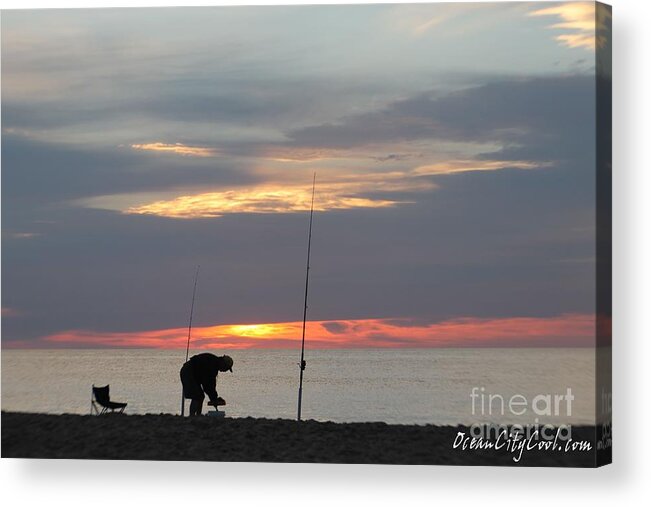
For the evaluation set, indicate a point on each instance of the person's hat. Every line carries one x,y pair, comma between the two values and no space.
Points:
228,363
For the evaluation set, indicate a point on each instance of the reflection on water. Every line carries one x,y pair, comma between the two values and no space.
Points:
422,386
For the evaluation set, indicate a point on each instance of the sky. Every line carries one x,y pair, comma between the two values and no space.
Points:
454,151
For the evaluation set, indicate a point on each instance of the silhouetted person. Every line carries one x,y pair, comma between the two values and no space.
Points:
199,376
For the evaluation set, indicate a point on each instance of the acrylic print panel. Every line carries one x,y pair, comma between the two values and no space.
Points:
350,234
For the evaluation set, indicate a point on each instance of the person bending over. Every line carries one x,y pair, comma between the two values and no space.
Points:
199,376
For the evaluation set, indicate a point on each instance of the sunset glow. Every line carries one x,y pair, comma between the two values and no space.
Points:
563,330
463,166
216,204
340,191
453,199
578,18
177,149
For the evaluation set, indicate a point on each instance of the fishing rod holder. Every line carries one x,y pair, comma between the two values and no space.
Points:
302,364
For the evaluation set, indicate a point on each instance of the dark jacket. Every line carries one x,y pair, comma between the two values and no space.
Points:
205,368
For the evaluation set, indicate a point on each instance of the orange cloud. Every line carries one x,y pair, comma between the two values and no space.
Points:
563,330
257,200
339,191
10,312
177,149
579,18
463,166
302,155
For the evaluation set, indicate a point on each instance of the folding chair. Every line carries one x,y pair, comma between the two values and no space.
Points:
100,399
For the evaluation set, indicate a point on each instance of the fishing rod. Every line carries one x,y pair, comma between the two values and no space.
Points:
187,348
307,280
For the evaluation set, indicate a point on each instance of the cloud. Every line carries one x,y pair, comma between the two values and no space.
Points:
463,166
337,192
335,327
10,312
477,247
67,173
427,25
265,199
77,85
578,21
547,112
301,155
527,121
21,235
177,149
568,330
418,20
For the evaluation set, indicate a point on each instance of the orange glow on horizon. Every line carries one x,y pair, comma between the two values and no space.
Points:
572,330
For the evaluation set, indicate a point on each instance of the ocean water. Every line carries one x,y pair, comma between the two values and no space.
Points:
398,386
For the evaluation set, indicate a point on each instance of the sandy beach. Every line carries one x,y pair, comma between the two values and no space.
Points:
170,437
